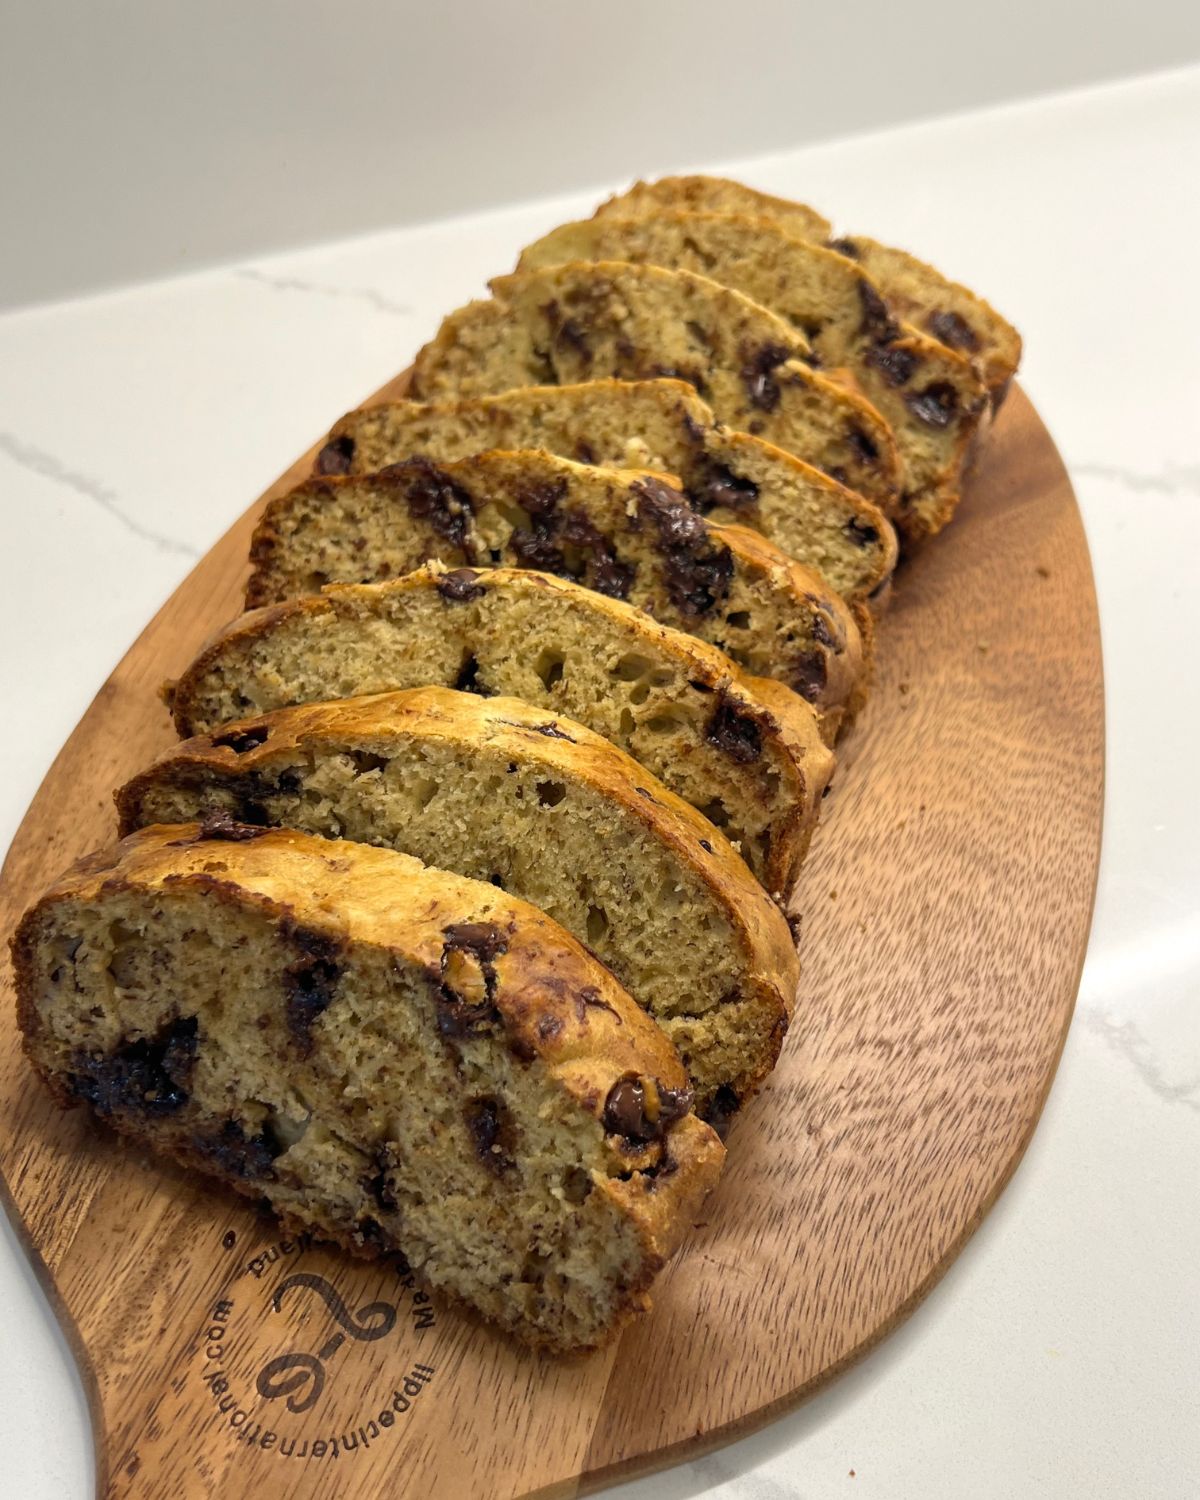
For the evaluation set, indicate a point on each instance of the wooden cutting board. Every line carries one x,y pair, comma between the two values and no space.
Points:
945,907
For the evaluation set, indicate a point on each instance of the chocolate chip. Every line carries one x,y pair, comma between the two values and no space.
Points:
642,1114
459,586
310,983
860,533
936,405
897,366
241,740
378,1185
237,1154
862,445
845,247
721,486
809,674
433,497
877,324
568,543
758,367
148,1077
721,1110
953,331
224,826
696,570
823,633
584,452
336,455
491,1128
706,846
734,730
462,1014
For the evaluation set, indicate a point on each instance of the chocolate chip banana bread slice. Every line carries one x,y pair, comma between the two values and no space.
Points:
656,424
951,313
930,396
543,808
676,704
626,533
393,1057
585,320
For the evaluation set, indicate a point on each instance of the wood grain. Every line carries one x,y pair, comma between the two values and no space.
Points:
945,910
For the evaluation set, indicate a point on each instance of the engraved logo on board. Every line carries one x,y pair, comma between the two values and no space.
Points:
278,1350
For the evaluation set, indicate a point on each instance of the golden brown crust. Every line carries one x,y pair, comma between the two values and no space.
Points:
564,323
789,732
628,533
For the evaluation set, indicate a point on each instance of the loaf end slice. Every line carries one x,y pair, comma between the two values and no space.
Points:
393,1057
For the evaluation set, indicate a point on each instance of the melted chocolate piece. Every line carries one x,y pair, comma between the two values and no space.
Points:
721,486
568,543
823,633
237,1154
241,740
335,456
310,983
460,586
377,1185
758,377
629,1113
877,324
491,1127
860,533
457,1015
721,1110
953,331
706,846
432,496
897,366
809,674
150,1077
223,825
936,405
734,731
862,445
696,570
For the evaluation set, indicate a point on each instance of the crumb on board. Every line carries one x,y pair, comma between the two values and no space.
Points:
1041,571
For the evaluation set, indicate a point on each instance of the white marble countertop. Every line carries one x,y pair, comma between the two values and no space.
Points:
1061,1354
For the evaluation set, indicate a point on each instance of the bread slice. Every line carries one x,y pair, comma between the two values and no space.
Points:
589,319
546,810
948,311
656,424
930,396
393,1057
626,533
677,705
697,194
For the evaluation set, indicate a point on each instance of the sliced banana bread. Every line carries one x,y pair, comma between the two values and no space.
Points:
393,1057
676,704
543,808
626,533
654,424
951,313
589,319
931,397
696,194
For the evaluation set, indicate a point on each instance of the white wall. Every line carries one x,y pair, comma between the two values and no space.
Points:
150,136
